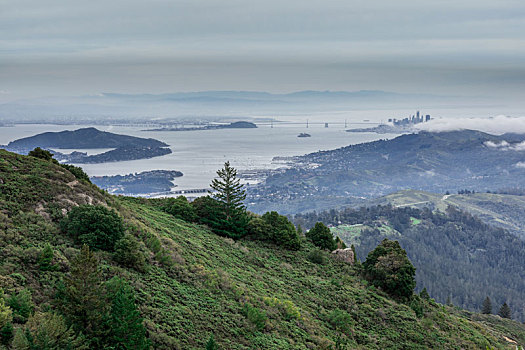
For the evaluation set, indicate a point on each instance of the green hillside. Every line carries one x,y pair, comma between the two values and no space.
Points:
195,284
502,210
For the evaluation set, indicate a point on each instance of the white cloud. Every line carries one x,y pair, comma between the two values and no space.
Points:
505,146
497,125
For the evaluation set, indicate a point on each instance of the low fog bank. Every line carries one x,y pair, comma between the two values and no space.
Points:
497,125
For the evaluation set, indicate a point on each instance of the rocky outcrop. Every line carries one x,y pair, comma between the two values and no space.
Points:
346,255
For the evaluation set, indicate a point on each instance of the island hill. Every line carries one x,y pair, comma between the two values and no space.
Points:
125,147
234,125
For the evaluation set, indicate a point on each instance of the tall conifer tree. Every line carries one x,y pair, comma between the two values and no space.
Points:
230,193
487,306
504,311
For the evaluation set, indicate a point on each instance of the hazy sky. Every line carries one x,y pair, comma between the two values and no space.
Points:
72,47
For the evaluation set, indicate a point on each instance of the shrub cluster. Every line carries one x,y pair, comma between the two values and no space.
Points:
275,228
94,225
321,237
389,268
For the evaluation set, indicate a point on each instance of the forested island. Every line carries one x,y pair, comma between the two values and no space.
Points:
146,182
125,147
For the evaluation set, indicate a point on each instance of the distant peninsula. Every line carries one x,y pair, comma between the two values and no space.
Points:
125,147
234,125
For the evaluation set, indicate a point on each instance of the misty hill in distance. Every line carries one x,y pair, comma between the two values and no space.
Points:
215,103
435,162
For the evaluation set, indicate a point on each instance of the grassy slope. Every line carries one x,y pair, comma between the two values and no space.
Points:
198,282
501,210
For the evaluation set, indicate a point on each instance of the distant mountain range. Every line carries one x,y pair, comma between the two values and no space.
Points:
436,162
214,103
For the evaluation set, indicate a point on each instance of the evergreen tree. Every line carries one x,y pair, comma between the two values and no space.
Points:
339,244
83,296
126,329
505,311
45,258
5,311
6,333
424,294
20,341
42,154
487,306
230,193
46,330
321,237
21,304
355,254
211,344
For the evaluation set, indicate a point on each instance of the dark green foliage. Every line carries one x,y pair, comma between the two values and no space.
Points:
437,246
6,333
42,154
316,256
389,268
275,228
22,304
321,237
210,213
341,322
45,259
126,329
339,244
211,344
424,294
6,314
105,312
505,311
127,253
256,316
487,306
230,194
48,331
79,173
83,299
94,225
416,304
180,208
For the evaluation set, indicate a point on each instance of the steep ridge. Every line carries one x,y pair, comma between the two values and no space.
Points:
198,284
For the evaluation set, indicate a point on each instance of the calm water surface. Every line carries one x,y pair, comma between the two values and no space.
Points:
198,154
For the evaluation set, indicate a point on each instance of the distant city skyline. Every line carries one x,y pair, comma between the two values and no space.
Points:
464,47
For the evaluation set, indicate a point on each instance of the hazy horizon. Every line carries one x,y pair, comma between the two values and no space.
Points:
454,48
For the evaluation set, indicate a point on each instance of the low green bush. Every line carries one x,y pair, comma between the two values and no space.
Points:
94,225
